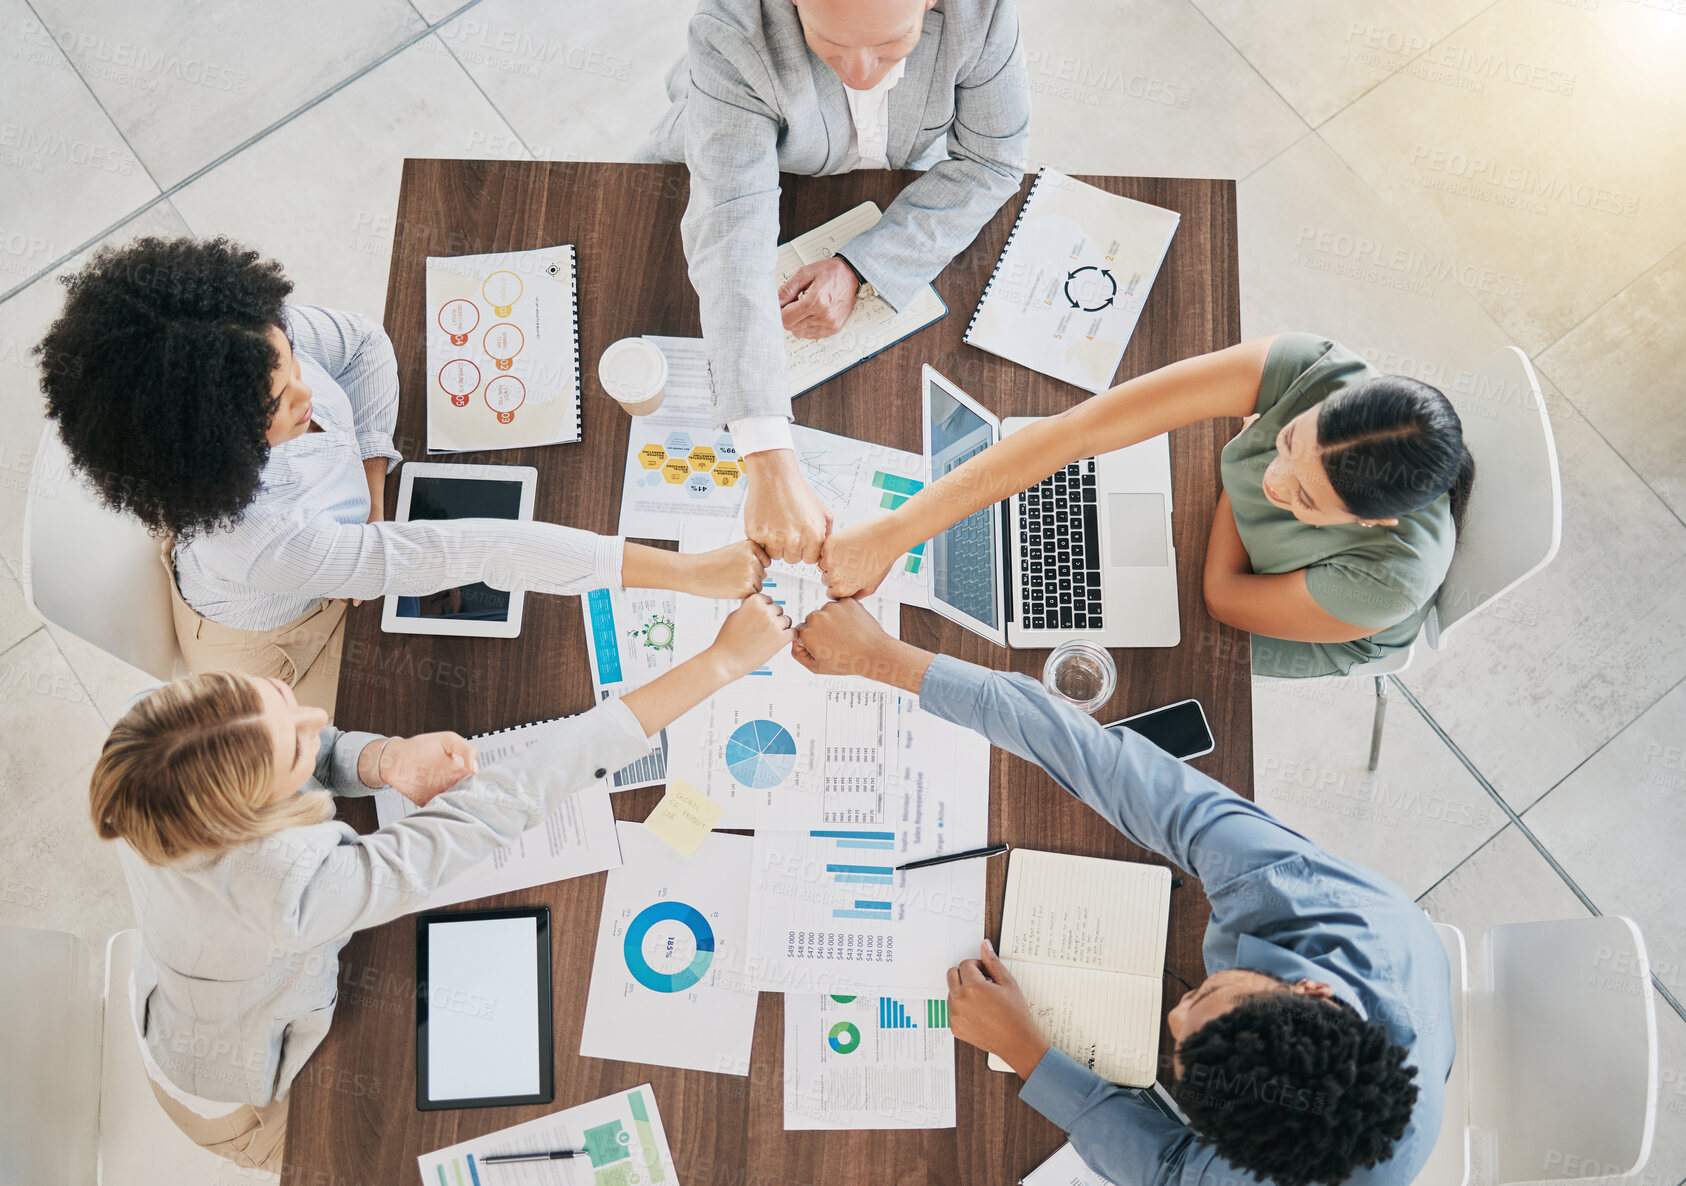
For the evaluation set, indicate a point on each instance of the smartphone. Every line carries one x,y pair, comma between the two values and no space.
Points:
1179,729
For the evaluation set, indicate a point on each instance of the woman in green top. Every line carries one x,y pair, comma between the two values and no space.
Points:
1341,497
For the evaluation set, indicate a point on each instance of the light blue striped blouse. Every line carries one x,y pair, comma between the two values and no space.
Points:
306,537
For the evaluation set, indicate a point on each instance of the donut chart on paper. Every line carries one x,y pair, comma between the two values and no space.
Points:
458,318
503,395
502,343
501,290
687,917
760,754
845,1037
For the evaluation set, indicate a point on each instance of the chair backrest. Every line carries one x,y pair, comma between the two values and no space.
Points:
1514,521
93,571
1564,1058
139,1144
49,1059
1448,1163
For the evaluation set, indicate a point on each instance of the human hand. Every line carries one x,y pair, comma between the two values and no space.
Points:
842,638
421,767
855,560
733,571
986,1009
752,634
818,298
780,512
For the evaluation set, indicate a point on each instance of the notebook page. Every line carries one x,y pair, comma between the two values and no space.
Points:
1106,1022
1086,912
872,326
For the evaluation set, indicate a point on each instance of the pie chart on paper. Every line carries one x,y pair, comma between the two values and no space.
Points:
761,754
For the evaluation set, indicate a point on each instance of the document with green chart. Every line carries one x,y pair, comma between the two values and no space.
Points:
1085,938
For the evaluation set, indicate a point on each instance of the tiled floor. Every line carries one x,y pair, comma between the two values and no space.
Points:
1426,180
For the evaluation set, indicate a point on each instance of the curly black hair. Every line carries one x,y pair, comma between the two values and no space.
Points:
158,372
1296,1089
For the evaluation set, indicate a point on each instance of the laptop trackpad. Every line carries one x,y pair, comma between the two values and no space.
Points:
1135,530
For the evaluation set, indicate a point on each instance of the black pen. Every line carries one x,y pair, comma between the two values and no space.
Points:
559,1155
992,850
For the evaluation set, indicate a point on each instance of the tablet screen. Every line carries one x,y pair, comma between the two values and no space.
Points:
965,568
462,498
485,1008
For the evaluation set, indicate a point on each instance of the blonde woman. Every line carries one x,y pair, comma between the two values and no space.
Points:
245,888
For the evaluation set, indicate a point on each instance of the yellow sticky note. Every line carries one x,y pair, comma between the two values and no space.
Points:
684,816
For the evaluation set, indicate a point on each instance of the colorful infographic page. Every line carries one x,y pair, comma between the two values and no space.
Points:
502,350
867,1062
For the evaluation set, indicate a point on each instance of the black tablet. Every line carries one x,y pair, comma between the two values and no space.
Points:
483,1023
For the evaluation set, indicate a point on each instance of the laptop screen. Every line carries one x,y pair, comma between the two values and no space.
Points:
965,565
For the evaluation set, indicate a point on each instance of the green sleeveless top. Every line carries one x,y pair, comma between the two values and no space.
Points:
1369,576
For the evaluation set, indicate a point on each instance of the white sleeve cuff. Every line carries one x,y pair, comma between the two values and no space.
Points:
758,434
608,557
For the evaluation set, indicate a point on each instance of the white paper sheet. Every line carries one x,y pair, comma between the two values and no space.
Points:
502,350
667,984
622,1134
1064,1168
629,641
575,839
867,1062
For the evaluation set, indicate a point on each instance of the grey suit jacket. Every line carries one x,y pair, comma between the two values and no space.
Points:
239,969
750,99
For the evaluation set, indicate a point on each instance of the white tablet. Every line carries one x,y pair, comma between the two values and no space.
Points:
435,490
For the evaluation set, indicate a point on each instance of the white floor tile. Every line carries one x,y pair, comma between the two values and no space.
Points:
1413,819
1621,367
187,81
1506,880
52,728
1320,252
109,682
23,320
321,193
1146,88
1630,798
1533,685
1320,55
1531,157
577,83
16,622
65,172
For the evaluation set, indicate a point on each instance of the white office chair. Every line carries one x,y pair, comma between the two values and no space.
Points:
75,1103
93,571
1555,1078
1514,521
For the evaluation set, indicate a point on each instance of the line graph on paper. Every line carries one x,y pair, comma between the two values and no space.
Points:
833,480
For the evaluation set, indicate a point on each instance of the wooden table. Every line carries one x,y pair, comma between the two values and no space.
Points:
353,1120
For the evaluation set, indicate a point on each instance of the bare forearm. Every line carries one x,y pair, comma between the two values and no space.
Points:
644,567
675,692
374,472
1224,383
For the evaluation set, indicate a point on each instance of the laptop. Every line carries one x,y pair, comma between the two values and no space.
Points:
1084,554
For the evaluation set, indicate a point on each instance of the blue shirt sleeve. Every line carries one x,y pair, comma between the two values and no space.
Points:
1158,802
358,354
336,762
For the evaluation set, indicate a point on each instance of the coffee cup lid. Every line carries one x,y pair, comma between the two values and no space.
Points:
632,369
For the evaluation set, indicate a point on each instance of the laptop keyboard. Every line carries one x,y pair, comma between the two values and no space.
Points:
1060,551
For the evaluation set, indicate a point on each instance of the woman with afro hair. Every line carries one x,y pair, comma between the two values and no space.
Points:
254,438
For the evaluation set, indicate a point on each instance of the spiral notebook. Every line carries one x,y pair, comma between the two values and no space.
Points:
1085,939
1070,285
503,350
873,326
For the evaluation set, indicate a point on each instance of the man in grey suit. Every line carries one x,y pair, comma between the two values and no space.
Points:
819,87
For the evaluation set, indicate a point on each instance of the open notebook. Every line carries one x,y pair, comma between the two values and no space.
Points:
873,326
1085,938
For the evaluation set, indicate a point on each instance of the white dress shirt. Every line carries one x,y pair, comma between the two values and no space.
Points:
306,535
869,138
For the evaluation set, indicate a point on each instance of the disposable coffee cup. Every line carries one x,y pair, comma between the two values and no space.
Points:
634,373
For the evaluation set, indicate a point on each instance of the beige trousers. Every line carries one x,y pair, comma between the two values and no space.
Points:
252,1137
304,653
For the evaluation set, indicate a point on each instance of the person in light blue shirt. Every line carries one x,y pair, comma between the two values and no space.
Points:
1317,1048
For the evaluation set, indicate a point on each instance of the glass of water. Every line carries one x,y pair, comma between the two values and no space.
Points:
1081,674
